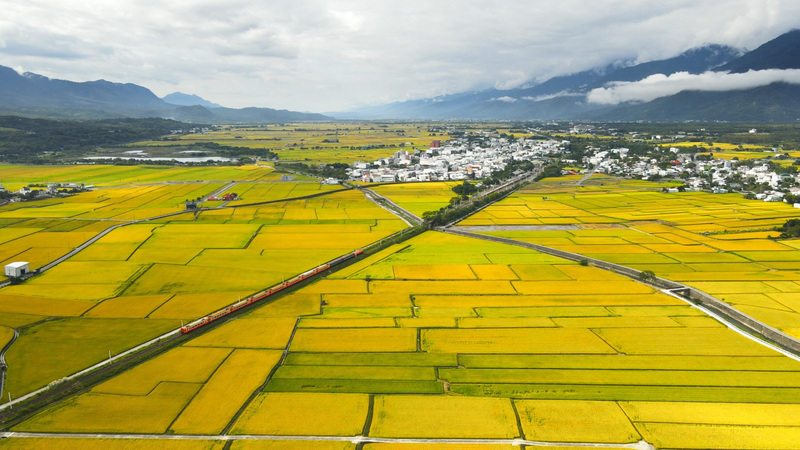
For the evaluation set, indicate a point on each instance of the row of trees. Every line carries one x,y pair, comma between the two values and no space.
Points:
335,170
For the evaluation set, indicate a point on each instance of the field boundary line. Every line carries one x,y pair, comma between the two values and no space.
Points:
260,389
724,312
186,406
641,445
734,328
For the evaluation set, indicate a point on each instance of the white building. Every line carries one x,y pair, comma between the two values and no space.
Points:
17,269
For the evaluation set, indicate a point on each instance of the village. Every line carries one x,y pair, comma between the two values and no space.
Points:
759,179
474,156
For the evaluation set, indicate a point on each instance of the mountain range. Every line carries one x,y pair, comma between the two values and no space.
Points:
35,95
571,97
567,97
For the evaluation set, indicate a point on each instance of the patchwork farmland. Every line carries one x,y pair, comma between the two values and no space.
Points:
438,341
716,243
142,280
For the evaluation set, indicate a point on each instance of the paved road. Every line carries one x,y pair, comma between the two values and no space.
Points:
588,175
641,445
405,215
220,190
3,365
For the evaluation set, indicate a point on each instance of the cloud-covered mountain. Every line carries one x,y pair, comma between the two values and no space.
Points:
782,52
36,95
557,98
720,82
762,85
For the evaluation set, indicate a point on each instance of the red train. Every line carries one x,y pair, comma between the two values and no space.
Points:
267,292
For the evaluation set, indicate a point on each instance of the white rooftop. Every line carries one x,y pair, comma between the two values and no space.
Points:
17,264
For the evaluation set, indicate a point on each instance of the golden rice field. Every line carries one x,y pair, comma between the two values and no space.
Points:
317,143
717,243
107,444
437,337
418,198
399,358
151,276
719,145
121,175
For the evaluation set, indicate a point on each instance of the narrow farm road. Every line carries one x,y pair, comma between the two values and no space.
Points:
641,445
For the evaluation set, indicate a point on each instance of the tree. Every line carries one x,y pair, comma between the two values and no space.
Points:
465,188
790,229
647,275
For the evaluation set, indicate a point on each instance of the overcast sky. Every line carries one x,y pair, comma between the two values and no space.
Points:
315,55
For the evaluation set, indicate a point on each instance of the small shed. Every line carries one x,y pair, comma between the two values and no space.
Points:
17,269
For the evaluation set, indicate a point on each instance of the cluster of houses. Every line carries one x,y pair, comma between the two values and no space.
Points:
717,175
34,192
474,156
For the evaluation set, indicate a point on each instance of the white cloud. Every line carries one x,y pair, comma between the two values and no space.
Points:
327,55
504,99
539,98
660,85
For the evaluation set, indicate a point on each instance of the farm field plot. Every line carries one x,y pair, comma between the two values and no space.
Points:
122,175
401,358
107,444
418,198
151,276
304,413
440,336
717,243
212,385
42,231
262,192
320,143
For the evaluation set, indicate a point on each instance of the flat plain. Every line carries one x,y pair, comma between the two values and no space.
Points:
437,337
143,279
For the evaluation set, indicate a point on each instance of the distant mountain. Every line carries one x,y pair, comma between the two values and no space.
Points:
782,52
181,99
32,92
35,95
696,60
776,102
201,114
560,97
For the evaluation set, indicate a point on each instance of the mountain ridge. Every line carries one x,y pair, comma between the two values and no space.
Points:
561,97
39,96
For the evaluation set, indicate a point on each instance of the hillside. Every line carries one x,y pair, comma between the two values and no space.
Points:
35,95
